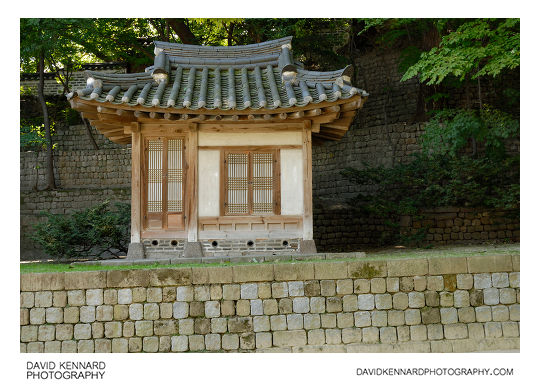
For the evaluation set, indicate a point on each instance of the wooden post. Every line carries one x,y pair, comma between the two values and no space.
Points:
308,191
192,186
136,144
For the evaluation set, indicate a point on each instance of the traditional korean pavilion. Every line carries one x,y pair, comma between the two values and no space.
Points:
221,143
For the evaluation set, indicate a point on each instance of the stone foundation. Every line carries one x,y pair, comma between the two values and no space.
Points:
455,304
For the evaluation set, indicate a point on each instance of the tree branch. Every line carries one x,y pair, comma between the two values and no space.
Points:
182,30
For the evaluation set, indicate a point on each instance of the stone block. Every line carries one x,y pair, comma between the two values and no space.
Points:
412,317
196,309
154,295
378,285
212,309
37,315
98,330
150,344
113,329
104,313
317,337
333,336
366,302
278,322
43,299
507,295
201,293
289,338
216,292
416,300
231,291
85,346
418,332
499,279
513,279
165,327
333,304
186,326
184,293
392,284
179,343
312,288
248,291
430,315
280,290
294,271
264,290
196,343
476,297
301,304
128,329
135,344
483,314
328,287
42,281
446,299
119,345
261,323
94,297
396,318
82,331
212,342
85,279
496,263
151,311
367,269
252,273
220,274
64,332
432,298
350,303
144,328
493,329
351,335
296,288
136,311
400,301
435,283
450,282
230,342
448,315
27,299
491,296
243,307
110,296
331,270
59,298
295,321
406,284
455,331
165,310
344,320
240,324
128,278
330,320
510,329
420,283
263,340
87,314
461,298
447,265
500,313
69,346
35,347
482,280
199,275
256,307
52,347
514,312
201,326
24,316
475,330
285,306
464,281
466,315
138,294
29,333
313,321
370,335
407,267
344,286
362,286
435,331
379,318
46,332
124,296
383,301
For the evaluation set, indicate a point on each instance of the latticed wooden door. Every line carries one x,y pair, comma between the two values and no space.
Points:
164,185
251,183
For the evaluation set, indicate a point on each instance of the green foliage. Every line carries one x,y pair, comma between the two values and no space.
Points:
435,181
476,48
33,134
449,131
86,233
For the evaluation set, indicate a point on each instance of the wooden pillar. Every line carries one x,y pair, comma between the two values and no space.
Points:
192,187
136,144
308,191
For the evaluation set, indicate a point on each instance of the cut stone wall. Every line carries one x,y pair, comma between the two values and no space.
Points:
457,304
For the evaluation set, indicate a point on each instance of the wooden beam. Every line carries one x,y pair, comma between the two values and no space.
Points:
307,222
136,187
91,116
340,124
192,187
313,113
351,105
325,136
296,115
326,118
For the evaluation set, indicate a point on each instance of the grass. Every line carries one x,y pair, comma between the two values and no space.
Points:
382,254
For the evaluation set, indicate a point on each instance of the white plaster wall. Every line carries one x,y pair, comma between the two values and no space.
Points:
208,183
250,139
292,186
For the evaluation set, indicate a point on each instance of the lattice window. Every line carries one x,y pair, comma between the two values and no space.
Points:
250,183
175,149
155,175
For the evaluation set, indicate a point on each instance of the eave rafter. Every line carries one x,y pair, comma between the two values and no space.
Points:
330,120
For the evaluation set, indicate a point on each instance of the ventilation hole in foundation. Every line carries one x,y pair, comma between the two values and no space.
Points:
155,242
250,243
174,243
285,243
214,243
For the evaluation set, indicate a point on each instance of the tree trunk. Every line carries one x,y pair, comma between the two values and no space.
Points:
49,162
182,30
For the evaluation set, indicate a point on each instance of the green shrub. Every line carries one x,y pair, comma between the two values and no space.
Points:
86,233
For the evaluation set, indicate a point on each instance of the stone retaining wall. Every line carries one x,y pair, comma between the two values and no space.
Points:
409,305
